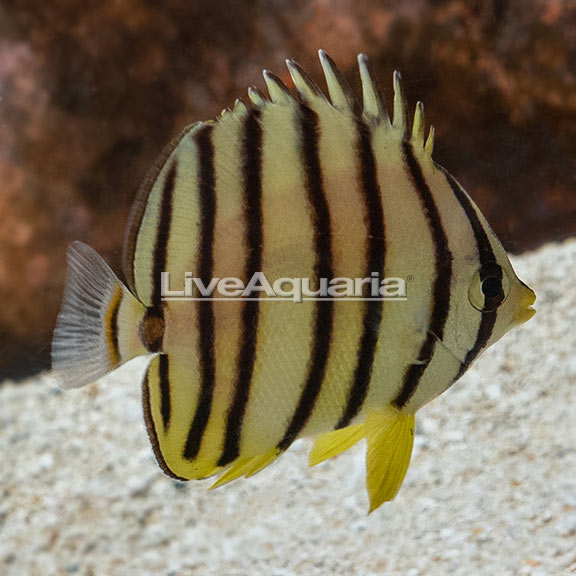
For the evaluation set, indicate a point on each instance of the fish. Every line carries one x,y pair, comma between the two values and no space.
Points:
291,185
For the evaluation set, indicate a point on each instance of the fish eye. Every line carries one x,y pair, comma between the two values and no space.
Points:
489,287
492,288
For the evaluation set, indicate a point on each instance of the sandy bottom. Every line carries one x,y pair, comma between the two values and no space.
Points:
491,488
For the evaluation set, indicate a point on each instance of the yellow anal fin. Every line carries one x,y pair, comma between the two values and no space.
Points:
333,443
247,467
390,437
201,470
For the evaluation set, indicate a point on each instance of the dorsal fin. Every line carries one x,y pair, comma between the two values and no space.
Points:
225,112
256,97
307,89
239,107
429,146
417,138
279,93
340,94
372,99
374,108
399,120
418,132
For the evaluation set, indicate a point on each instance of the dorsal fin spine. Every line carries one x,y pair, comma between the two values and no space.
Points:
240,106
399,120
418,127
307,89
338,91
374,110
373,102
429,146
256,97
279,93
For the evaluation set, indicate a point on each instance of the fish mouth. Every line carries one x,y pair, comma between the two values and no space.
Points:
525,309
524,315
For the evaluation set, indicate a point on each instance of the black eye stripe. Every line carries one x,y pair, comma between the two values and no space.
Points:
490,270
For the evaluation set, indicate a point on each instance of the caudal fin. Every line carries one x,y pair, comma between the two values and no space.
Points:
97,328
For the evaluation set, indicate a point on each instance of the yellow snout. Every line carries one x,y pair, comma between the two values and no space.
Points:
524,309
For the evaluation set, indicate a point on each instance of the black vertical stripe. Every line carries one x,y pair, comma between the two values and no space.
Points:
485,256
207,193
375,257
252,171
324,313
159,265
442,282
151,428
154,316
164,387
139,209
163,234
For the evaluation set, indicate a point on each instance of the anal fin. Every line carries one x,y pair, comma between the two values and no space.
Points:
333,443
390,438
247,467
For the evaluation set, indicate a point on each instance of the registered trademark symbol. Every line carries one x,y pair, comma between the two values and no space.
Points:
410,278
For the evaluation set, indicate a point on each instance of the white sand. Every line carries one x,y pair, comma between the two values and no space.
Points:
491,488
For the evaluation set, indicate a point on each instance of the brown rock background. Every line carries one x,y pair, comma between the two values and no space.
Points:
90,93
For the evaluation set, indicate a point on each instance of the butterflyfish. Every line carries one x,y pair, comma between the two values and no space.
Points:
293,185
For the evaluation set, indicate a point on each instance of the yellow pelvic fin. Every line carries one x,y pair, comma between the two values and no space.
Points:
390,437
247,467
333,443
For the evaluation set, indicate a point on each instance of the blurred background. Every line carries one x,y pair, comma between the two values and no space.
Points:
91,92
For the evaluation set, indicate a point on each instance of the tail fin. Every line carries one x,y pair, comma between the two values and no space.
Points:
97,328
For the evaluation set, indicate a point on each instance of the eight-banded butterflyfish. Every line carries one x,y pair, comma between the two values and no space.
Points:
293,185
